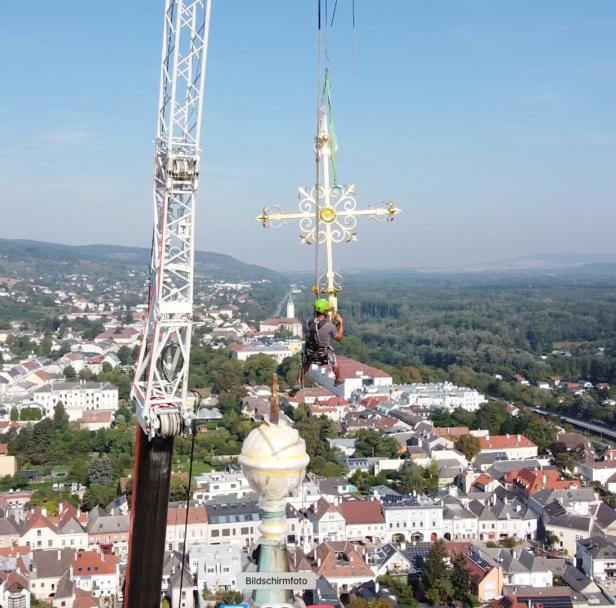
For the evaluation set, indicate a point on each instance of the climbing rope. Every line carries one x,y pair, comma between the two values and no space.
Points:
317,197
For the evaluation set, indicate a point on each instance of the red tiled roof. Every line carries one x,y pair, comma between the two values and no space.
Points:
280,321
505,442
83,599
324,507
350,368
358,512
340,559
386,422
96,416
90,563
484,479
372,403
37,520
43,375
15,551
533,481
176,516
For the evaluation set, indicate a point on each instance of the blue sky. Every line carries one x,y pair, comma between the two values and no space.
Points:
491,123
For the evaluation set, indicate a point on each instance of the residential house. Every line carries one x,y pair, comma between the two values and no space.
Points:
523,567
342,564
568,528
597,470
94,420
71,533
459,523
364,520
69,595
47,567
38,532
216,566
578,501
328,521
516,447
212,485
528,482
416,518
195,526
233,522
389,559
354,376
14,591
486,573
596,557
499,518
9,534
108,532
98,574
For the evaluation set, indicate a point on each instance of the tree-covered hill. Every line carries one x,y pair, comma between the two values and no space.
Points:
31,259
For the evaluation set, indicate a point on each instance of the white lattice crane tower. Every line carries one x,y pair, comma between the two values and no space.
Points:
161,377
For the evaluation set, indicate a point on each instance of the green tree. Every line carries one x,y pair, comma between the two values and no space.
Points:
30,413
125,413
412,478
565,462
178,488
97,495
14,414
435,579
259,369
80,471
400,589
70,374
372,444
432,478
100,471
542,433
60,417
558,447
469,445
460,578
125,355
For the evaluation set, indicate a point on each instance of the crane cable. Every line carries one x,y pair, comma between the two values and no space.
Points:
192,454
317,197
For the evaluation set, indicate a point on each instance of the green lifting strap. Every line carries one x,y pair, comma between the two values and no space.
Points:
327,92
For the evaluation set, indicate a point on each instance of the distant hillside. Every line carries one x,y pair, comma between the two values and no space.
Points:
33,258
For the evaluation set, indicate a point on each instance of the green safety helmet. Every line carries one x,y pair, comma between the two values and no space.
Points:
321,306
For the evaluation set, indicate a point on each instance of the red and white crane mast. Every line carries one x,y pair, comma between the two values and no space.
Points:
160,386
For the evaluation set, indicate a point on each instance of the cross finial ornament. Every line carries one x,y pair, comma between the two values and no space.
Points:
328,216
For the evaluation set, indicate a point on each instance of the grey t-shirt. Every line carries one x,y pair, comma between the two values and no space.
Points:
325,333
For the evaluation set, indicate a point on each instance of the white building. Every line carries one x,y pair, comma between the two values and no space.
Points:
77,397
441,395
354,376
596,557
417,518
242,352
216,566
196,529
220,483
291,324
97,574
328,522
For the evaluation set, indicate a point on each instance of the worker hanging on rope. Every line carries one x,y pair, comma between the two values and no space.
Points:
318,349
